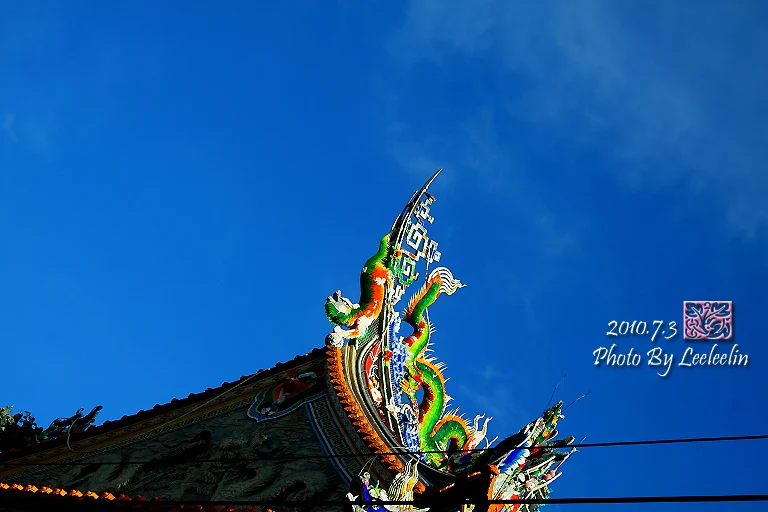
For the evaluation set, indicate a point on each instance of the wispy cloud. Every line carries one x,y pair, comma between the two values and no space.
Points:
474,147
74,96
9,122
490,372
497,402
414,157
471,147
667,91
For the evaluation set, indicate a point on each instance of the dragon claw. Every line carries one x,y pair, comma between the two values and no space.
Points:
334,340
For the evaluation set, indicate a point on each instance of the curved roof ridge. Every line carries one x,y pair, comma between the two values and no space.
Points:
158,409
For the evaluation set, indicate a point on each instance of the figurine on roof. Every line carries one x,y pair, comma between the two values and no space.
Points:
287,395
353,320
61,427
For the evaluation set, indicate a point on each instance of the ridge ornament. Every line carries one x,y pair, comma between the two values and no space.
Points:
393,392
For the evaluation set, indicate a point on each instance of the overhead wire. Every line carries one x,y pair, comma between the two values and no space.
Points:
280,457
433,501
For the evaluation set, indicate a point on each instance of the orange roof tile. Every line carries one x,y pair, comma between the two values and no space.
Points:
30,497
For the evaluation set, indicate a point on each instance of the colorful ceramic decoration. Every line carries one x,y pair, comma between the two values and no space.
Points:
393,389
526,470
401,489
291,393
394,368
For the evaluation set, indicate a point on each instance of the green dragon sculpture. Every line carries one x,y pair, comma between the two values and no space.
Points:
438,432
389,384
358,317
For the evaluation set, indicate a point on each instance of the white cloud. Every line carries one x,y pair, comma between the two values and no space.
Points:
414,158
9,127
474,147
667,91
497,402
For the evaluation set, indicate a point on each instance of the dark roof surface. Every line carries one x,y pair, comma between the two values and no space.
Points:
158,409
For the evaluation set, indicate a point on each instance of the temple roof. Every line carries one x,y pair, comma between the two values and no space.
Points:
364,399
158,409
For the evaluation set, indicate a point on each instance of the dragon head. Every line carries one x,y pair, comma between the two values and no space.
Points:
554,413
339,309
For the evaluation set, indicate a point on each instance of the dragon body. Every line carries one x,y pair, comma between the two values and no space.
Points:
357,318
388,380
424,424
437,431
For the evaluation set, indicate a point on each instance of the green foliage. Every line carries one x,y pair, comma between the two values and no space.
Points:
18,430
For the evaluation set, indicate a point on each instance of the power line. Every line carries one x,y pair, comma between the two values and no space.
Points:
368,455
522,501
428,502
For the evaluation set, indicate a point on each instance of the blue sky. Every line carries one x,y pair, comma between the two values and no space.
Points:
182,186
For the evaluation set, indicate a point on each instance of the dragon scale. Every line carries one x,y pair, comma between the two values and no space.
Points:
435,429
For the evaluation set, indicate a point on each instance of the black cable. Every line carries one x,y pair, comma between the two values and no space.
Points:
368,455
530,501
433,502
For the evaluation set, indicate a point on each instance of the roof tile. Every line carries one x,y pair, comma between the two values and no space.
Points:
175,403
34,496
